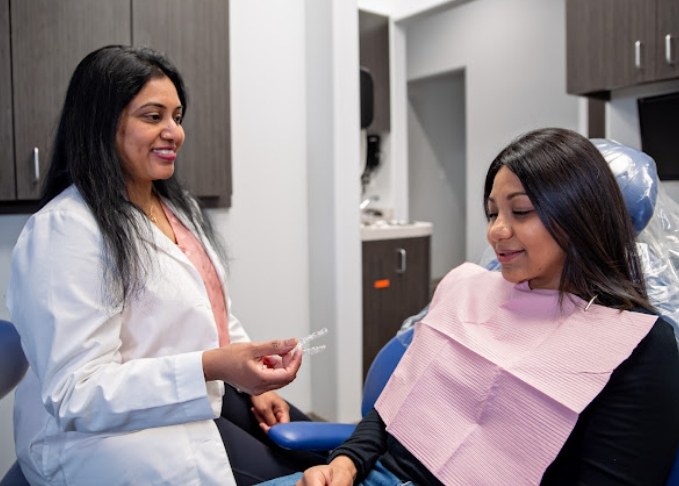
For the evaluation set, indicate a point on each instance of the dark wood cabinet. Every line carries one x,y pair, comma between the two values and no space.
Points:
613,44
668,37
195,36
396,274
632,56
374,56
587,43
7,187
49,38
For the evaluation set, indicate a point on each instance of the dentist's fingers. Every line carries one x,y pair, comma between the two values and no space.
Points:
253,367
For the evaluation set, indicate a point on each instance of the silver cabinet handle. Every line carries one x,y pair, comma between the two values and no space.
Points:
402,260
36,164
668,49
637,54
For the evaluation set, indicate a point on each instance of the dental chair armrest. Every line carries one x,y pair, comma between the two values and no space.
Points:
310,436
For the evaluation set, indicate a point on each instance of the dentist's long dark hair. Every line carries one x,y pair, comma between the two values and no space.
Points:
579,201
85,155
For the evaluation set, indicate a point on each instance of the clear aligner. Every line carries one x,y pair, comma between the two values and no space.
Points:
302,342
313,350
311,337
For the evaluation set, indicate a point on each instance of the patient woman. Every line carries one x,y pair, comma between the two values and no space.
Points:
556,371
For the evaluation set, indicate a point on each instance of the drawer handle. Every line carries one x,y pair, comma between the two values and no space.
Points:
36,165
668,49
637,54
402,260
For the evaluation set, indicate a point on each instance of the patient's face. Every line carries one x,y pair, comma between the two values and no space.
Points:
522,244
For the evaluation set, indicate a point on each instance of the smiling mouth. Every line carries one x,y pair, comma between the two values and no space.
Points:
508,255
167,154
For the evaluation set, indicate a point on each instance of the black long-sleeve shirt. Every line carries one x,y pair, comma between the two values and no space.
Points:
627,435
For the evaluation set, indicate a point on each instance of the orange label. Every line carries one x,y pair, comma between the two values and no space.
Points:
382,284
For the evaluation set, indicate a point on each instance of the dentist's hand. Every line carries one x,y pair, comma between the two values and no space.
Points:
254,368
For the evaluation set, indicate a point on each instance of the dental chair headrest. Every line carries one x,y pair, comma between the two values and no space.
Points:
637,177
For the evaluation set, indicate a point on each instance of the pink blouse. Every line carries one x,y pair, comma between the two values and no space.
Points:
194,251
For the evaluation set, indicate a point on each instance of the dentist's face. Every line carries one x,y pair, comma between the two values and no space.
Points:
523,246
149,133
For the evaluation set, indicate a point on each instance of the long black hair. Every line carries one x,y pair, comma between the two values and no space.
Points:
580,204
85,155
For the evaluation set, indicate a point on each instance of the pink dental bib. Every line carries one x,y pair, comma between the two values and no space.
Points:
497,374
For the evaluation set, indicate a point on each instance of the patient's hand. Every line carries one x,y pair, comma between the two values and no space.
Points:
340,472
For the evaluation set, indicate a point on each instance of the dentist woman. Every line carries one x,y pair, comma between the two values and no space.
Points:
118,290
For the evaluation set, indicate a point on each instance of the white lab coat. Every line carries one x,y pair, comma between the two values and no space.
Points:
113,395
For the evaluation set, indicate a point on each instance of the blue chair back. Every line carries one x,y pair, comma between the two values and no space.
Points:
13,364
673,480
383,366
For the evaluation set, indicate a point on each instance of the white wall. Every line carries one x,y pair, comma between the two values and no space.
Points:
513,54
275,255
333,128
400,9
266,228
293,229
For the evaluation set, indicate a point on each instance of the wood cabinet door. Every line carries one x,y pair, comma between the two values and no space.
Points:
49,38
588,45
396,276
667,37
374,55
7,182
633,54
195,37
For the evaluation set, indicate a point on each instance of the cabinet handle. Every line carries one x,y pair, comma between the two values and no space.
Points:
402,260
668,49
36,165
637,54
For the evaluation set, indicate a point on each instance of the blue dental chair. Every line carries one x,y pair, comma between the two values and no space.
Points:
13,366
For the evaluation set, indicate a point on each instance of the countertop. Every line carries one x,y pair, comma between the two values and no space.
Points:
386,230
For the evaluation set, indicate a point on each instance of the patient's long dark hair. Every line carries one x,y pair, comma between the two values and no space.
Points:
85,155
578,200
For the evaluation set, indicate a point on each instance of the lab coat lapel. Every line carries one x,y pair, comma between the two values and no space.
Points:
162,243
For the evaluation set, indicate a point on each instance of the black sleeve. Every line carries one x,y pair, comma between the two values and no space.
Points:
366,444
629,433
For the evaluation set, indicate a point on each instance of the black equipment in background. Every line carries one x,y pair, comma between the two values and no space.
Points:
659,128
367,98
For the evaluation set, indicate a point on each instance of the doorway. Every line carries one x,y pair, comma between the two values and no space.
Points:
437,163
